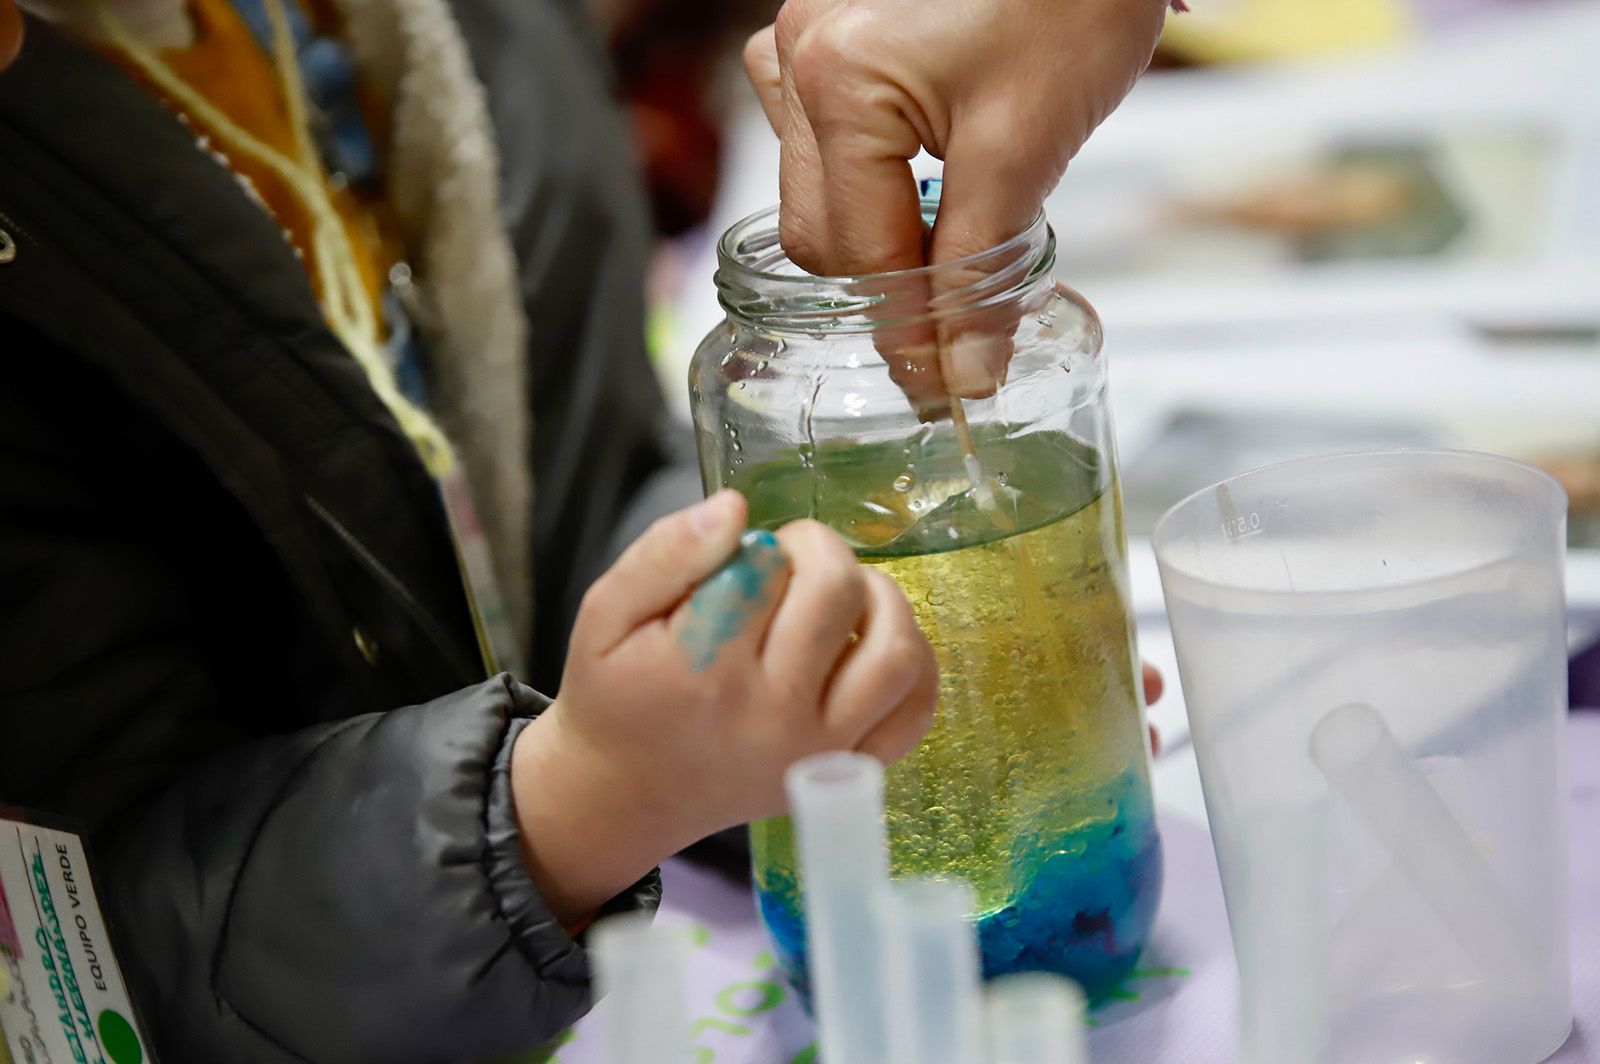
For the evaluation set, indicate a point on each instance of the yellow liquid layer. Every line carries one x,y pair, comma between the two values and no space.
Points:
1037,706
1039,716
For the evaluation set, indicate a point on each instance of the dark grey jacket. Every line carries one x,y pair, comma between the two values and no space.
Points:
222,569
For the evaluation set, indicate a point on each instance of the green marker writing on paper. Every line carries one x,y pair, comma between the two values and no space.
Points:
720,607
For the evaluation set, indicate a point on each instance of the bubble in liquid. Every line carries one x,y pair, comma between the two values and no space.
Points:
904,481
761,366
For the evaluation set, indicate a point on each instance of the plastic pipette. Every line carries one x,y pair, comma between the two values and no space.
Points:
1355,750
931,973
836,801
931,189
1035,1018
640,970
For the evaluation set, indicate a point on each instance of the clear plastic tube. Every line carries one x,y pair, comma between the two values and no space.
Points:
1363,764
836,801
931,973
1035,1018
640,971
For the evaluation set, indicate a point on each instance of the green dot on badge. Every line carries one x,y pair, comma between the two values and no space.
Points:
119,1039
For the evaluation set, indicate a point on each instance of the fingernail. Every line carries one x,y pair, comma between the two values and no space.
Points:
919,359
916,370
929,410
977,364
715,512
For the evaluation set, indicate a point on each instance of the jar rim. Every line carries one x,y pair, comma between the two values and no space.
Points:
753,285
727,251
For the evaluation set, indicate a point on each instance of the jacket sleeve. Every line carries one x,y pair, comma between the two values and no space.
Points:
346,893
349,893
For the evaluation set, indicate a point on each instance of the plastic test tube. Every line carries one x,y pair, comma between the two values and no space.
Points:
1355,750
836,801
640,970
1035,1018
931,973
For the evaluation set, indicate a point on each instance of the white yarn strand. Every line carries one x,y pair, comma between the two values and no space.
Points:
347,305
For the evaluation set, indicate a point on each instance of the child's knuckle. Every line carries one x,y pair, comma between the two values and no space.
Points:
838,583
808,535
904,654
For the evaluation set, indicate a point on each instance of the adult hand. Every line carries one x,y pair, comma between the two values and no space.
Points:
1004,91
693,682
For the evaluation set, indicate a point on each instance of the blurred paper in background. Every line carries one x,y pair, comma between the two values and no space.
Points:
1239,210
1228,30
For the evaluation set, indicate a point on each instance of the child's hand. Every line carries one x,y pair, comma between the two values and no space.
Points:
694,681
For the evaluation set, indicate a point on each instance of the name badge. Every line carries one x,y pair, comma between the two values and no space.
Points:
62,998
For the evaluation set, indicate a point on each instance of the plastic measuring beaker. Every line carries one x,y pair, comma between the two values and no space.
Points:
1373,656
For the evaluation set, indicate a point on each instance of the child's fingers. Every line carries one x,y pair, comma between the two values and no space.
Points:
822,607
659,569
727,615
890,663
1153,685
898,733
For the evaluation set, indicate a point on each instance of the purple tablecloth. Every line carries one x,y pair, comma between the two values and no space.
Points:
1184,1010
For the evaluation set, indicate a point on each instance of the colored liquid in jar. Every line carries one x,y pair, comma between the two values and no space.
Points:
1033,783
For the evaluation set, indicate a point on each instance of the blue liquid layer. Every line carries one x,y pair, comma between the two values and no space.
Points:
1085,912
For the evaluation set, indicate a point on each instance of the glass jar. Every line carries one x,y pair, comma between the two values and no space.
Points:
1002,520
